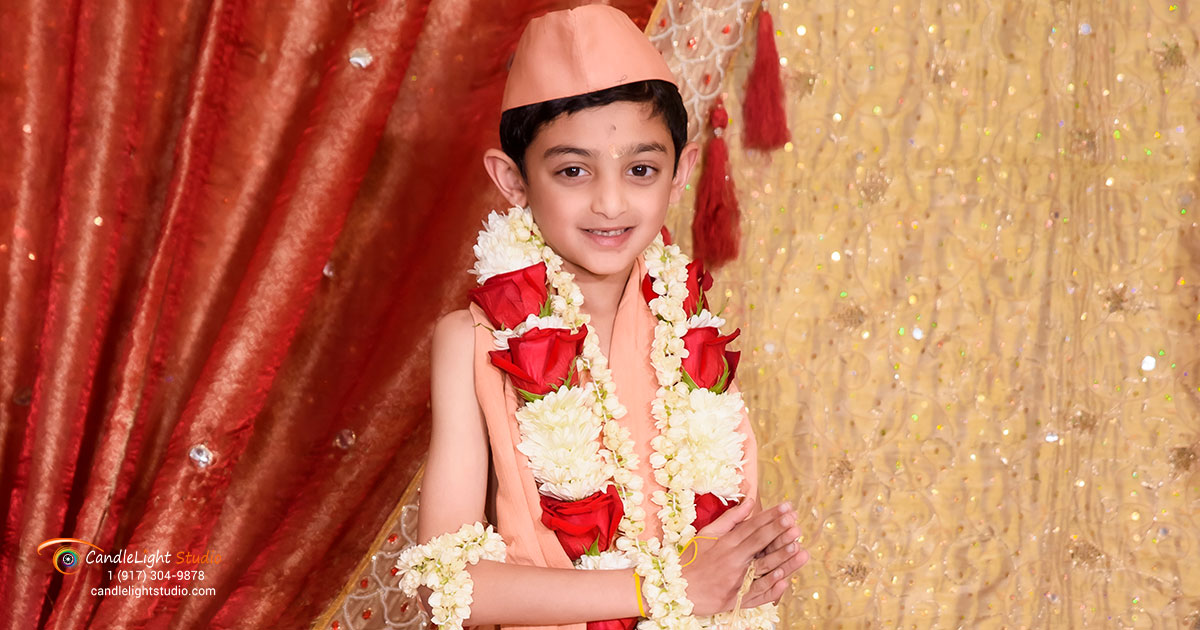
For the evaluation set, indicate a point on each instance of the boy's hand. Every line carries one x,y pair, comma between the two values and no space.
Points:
767,538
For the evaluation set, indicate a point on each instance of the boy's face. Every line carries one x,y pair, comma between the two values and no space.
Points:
599,181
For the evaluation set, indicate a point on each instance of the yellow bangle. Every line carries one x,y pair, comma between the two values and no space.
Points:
695,550
637,583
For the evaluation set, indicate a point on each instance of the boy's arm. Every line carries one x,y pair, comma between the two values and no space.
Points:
454,488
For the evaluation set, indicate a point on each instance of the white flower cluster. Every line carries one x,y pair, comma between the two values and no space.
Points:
664,589
606,560
667,267
619,449
506,244
560,435
711,443
441,566
704,319
566,298
501,336
672,460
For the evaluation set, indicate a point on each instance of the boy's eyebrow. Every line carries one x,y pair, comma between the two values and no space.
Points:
633,149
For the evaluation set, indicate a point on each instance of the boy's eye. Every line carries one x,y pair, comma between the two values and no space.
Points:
642,170
572,171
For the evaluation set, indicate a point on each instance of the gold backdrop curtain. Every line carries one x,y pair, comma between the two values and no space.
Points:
968,292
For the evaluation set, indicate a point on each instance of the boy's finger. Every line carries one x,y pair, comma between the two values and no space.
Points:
766,589
778,590
771,586
755,534
793,564
786,538
775,559
748,527
791,560
725,522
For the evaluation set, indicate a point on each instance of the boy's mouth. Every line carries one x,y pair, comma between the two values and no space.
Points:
610,238
612,232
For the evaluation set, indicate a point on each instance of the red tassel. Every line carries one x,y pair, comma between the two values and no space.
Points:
715,230
764,119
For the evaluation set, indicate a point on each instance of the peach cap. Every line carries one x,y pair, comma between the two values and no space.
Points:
580,50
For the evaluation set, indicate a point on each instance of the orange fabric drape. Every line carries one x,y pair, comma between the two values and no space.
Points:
219,235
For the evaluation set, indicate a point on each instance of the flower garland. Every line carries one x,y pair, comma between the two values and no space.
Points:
440,565
698,450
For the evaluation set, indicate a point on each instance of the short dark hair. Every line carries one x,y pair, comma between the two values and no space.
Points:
520,125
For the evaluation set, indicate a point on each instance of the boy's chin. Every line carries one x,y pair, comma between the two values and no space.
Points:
607,268
606,265
613,263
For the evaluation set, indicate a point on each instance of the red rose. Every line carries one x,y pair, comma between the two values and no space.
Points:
540,360
580,525
507,299
708,507
698,281
708,363
648,288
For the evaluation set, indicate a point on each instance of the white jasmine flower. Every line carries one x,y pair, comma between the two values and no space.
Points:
500,337
712,442
559,434
606,560
504,245
440,565
704,319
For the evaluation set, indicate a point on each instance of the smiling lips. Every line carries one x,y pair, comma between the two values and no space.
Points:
613,237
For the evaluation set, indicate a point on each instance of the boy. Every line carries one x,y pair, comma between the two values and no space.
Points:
594,139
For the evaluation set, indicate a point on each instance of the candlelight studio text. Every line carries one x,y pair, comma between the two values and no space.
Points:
175,590
151,559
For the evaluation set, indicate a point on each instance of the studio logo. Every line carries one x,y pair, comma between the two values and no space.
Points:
66,559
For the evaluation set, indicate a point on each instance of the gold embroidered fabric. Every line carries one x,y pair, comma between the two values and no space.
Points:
968,296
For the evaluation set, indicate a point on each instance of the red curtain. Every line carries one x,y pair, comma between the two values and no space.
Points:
224,243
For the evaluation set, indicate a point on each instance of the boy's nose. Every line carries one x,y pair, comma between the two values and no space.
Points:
609,200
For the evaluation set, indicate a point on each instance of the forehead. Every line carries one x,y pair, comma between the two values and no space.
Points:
597,127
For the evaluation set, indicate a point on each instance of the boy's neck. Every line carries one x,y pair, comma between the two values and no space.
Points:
601,294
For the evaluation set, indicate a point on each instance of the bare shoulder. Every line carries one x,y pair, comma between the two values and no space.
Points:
454,337
452,370
455,322
452,364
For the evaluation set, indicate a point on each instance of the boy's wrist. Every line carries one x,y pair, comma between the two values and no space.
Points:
624,586
637,586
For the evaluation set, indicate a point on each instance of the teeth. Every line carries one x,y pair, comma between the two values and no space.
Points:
607,232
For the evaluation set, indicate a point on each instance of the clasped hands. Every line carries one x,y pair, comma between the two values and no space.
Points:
766,538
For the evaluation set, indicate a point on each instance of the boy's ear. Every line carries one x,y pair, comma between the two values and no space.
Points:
687,161
506,176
